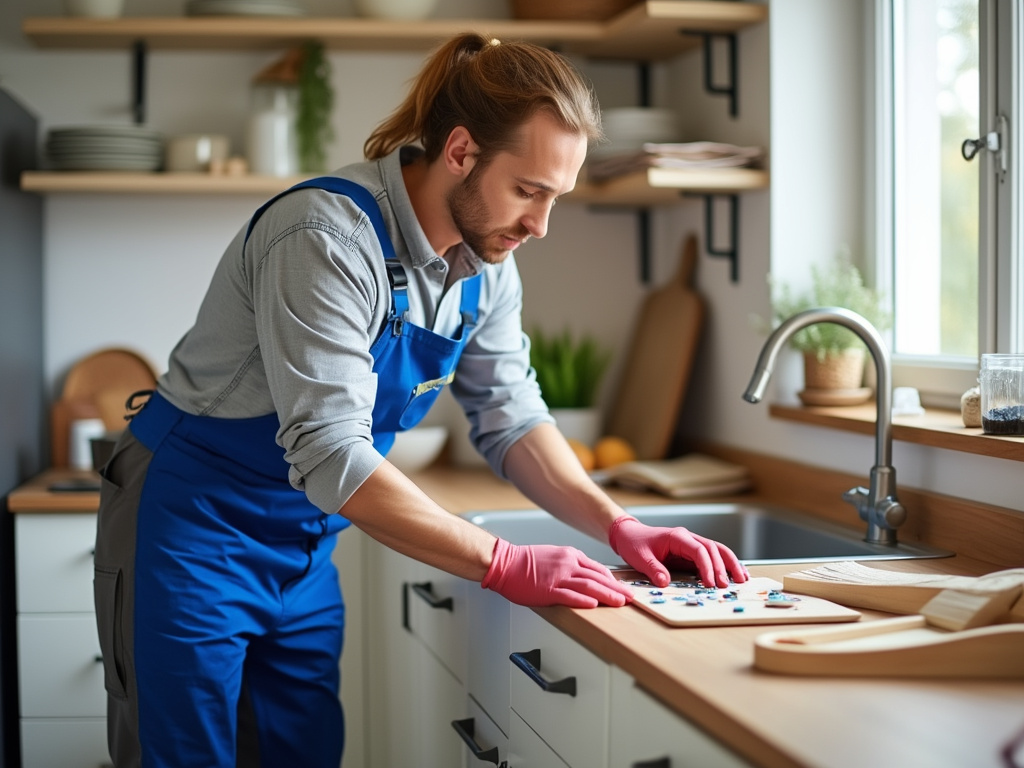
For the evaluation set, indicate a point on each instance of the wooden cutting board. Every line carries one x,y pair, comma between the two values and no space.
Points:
664,343
97,387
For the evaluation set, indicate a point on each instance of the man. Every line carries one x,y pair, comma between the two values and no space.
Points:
332,321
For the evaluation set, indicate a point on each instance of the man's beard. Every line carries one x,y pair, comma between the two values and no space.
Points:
469,212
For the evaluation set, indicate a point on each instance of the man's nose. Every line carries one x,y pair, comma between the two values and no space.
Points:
536,221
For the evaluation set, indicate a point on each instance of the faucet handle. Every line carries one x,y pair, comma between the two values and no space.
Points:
892,512
858,497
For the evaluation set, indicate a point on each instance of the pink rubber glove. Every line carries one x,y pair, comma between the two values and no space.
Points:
548,575
648,549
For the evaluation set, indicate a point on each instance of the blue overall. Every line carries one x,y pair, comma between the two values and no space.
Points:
236,597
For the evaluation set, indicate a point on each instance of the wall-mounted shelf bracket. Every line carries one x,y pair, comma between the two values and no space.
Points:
731,88
732,252
139,55
643,226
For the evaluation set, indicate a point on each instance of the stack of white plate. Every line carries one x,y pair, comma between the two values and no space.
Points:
242,8
105,148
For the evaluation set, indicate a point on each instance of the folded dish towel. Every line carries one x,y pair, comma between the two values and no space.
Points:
692,475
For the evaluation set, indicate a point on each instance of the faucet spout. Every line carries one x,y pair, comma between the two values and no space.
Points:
877,505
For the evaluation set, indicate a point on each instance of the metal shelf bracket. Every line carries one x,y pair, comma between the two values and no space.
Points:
139,56
732,87
732,251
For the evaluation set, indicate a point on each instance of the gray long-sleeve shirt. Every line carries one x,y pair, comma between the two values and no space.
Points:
288,320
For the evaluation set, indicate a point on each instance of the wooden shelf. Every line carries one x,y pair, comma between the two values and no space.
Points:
646,32
118,182
935,428
655,187
663,186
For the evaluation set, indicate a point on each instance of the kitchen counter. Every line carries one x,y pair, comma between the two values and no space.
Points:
707,674
776,721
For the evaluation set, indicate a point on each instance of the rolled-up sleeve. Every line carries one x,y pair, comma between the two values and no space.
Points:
494,382
318,306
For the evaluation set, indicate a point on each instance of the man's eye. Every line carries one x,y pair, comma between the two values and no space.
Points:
524,194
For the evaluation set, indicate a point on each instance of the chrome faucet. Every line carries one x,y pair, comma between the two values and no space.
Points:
877,505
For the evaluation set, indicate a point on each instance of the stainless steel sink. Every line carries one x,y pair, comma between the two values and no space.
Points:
758,534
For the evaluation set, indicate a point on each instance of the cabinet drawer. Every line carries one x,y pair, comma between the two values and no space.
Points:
54,556
644,732
527,750
573,723
437,615
487,673
438,699
64,743
59,666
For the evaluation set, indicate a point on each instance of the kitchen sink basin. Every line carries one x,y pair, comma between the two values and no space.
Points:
758,534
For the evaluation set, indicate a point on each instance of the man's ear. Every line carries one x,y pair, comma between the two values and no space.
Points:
460,152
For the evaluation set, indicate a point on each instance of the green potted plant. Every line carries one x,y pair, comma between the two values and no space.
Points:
569,372
833,355
313,114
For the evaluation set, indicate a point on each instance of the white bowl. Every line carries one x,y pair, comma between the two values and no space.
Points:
99,9
630,124
417,448
396,9
195,152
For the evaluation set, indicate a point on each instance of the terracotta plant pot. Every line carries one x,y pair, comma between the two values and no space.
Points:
836,380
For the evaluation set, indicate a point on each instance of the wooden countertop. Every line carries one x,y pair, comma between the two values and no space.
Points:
778,721
707,674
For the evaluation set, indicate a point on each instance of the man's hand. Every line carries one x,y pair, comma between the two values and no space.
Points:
649,549
548,575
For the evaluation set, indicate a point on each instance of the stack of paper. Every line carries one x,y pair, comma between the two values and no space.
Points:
697,154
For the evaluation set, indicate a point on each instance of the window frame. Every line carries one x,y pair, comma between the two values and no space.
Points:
942,380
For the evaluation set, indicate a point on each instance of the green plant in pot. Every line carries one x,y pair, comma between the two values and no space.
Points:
569,372
834,357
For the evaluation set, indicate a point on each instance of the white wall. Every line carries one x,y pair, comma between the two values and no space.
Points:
131,270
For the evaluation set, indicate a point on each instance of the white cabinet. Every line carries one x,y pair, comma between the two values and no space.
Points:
416,650
528,750
560,690
487,664
646,734
60,673
557,706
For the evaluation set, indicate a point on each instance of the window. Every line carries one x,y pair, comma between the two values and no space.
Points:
949,229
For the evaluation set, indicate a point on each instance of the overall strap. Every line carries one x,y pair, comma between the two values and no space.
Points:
368,204
469,306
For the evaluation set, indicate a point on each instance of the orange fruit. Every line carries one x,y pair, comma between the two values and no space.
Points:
611,450
583,453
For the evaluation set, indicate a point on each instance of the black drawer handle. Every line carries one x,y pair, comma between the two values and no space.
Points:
661,762
465,729
426,591
529,662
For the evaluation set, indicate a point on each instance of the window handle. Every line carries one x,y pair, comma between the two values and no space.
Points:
971,147
993,141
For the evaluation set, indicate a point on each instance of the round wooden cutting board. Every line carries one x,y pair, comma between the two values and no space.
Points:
97,386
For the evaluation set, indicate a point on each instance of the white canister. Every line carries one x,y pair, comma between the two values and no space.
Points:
80,446
272,142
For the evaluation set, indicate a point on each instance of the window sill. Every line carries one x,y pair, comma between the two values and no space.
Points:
936,428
